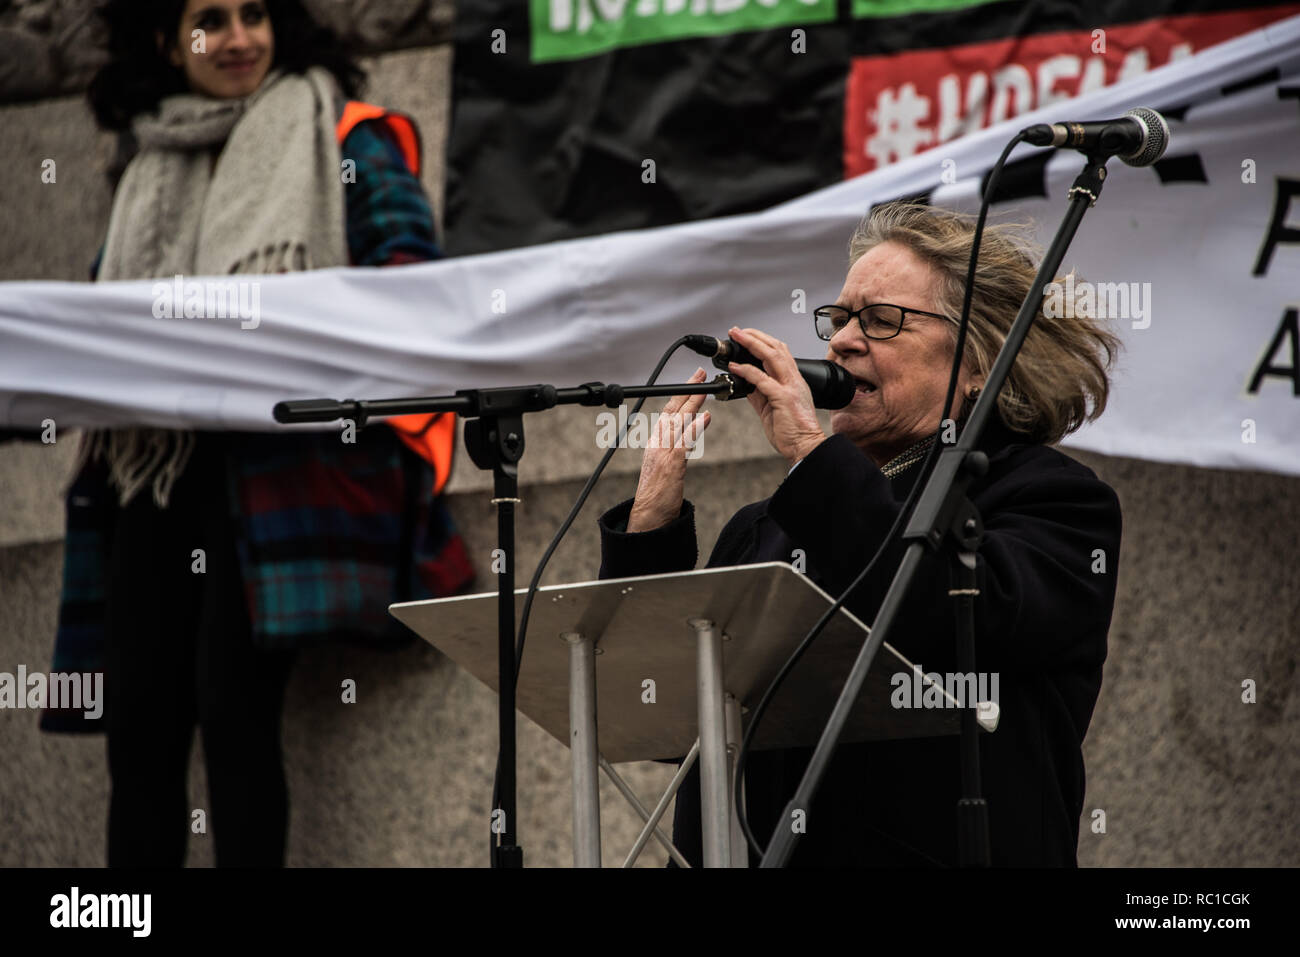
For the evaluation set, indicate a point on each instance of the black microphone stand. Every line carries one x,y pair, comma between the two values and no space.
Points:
494,436
946,521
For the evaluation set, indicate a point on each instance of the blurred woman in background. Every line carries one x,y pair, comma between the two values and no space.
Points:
199,562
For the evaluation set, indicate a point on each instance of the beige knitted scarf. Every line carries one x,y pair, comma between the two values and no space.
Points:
249,185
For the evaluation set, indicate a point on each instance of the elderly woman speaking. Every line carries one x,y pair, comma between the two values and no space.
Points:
1047,566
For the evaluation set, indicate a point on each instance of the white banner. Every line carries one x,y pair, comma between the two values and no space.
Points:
1199,256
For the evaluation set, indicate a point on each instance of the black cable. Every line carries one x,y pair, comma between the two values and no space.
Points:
890,536
555,543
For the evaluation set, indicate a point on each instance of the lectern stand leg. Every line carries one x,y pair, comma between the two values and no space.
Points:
584,750
739,849
714,796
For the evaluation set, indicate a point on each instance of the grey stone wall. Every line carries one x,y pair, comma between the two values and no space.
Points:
1184,771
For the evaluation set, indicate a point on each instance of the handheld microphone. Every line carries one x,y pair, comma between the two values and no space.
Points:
831,385
1139,137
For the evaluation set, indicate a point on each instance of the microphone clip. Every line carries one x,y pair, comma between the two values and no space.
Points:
737,388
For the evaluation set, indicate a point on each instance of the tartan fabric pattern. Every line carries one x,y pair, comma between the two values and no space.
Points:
330,533
334,533
389,218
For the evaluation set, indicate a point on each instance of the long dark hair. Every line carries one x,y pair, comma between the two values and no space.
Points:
136,76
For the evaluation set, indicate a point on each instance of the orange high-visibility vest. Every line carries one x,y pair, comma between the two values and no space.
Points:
432,437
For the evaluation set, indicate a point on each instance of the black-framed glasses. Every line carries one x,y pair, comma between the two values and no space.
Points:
879,320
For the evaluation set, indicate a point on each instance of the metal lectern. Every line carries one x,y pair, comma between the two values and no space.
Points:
663,666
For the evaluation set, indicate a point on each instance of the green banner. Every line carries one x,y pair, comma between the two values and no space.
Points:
569,29
897,8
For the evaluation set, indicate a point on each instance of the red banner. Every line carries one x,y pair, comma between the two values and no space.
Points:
905,103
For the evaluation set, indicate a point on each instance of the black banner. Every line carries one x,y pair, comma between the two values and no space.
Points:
578,117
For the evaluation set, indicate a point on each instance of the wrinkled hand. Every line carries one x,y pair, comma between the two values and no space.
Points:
661,488
781,397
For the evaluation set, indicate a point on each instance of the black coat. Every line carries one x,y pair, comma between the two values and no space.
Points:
1047,571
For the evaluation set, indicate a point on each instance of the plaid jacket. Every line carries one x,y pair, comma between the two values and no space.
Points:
329,534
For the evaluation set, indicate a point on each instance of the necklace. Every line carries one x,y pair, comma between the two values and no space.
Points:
907,458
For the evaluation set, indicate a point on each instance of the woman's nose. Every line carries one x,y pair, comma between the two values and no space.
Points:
847,340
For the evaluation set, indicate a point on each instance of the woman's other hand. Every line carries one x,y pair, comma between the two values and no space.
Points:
660,491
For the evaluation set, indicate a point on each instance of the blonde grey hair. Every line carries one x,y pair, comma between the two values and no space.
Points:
1061,377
